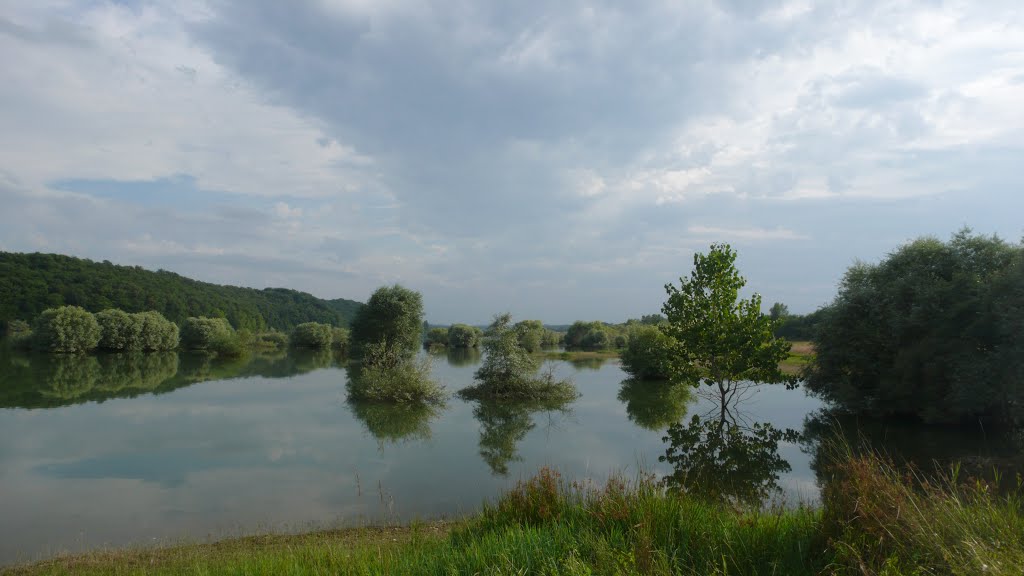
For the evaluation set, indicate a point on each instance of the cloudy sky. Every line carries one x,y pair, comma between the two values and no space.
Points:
559,160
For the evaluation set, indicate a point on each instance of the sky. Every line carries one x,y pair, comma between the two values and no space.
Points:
556,160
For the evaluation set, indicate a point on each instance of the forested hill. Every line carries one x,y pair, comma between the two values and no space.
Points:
31,283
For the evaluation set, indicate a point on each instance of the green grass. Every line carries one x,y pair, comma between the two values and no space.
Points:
875,520
571,355
800,355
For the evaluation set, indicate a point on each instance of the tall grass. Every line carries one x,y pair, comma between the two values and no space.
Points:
876,519
885,519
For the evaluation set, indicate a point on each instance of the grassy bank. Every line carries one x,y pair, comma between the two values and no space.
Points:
875,519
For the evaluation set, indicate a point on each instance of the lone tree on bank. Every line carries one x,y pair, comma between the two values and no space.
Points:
720,339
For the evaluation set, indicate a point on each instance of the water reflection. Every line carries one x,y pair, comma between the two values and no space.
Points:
463,356
723,455
394,423
927,449
655,405
504,424
54,380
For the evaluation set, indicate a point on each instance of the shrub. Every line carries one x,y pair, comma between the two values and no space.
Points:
119,330
530,333
340,340
272,339
68,329
200,333
312,335
17,328
158,333
387,375
463,336
437,337
393,314
648,354
509,371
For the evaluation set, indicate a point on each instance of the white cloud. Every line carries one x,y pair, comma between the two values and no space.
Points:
718,233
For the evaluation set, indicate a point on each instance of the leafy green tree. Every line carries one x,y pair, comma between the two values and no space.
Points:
463,336
721,339
778,311
648,354
437,337
509,371
393,314
930,332
68,329
206,333
531,334
386,374
157,333
119,330
312,335
340,340
17,327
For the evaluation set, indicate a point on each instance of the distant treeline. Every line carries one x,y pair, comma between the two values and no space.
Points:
32,283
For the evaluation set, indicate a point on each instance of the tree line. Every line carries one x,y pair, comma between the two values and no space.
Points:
32,283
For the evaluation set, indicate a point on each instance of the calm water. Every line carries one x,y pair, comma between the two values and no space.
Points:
117,450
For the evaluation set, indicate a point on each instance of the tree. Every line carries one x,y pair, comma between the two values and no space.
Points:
721,339
778,311
531,334
648,354
509,371
930,332
312,335
437,337
463,336
119,330
68,329
201,333
394,315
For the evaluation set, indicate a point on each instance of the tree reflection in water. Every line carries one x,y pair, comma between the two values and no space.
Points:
655,405
724,456
503,424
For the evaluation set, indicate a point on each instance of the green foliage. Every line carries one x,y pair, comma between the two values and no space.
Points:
393,314
312,335
273,340
341,340
158,333
648,354
437,337
778,311
17,328
396,422
387,374
932,332
720,338
590,336
551,339
119,330
207,334
31,283
655,405
510,372
800,327
68,329
463,336
530,333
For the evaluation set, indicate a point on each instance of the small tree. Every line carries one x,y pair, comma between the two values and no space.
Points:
509,371
119,330
157,333
393,314
648,354
68,329
531,334
463,336
312,335
201,333
437,337
721,339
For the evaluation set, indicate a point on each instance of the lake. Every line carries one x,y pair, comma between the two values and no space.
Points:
124,450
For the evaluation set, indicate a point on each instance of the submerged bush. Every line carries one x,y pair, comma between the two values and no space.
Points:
119,330
393,314
463,336
436,338
341,340
68,329
158,333
648,354
387,375
272,339
510,371
312,335
201,333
